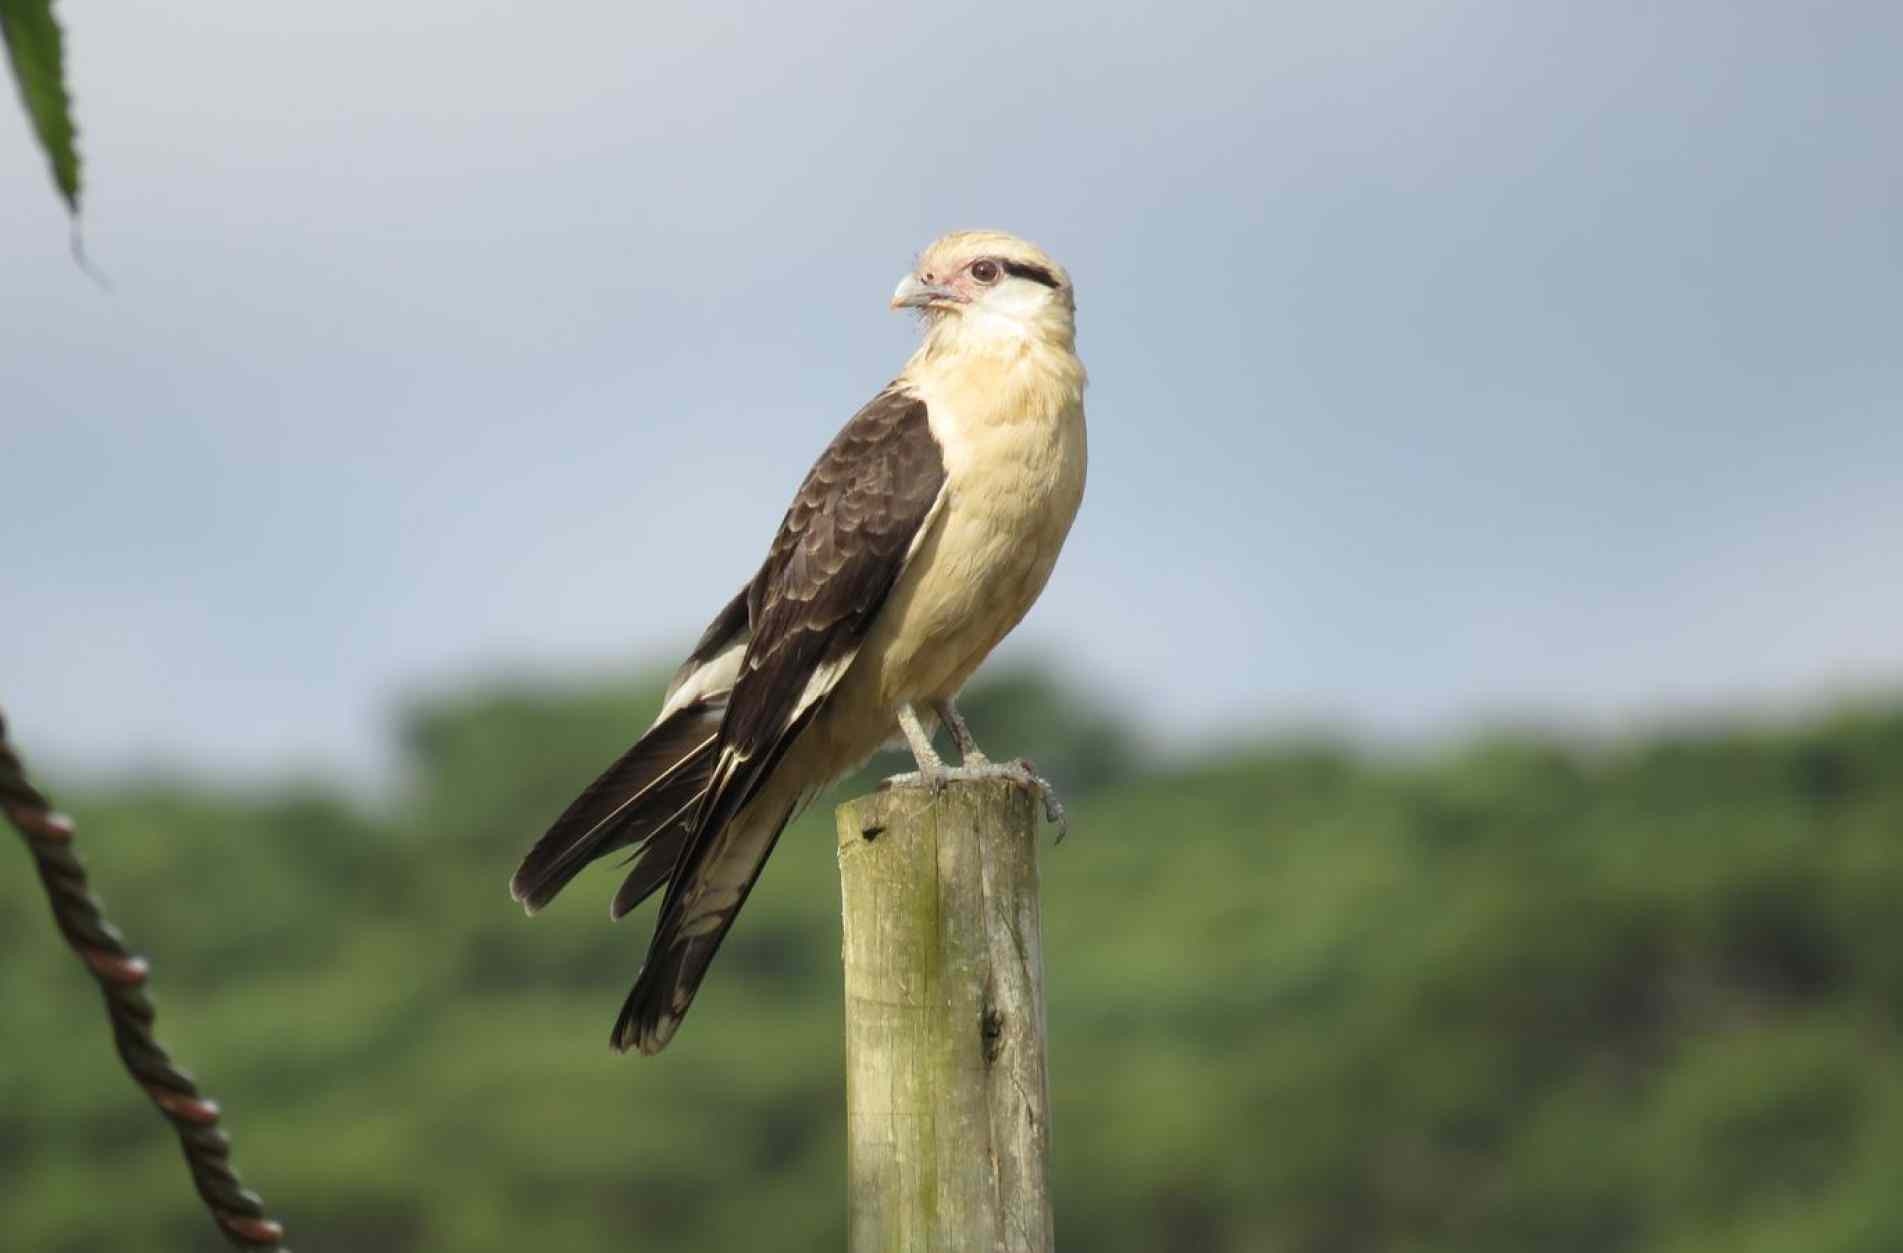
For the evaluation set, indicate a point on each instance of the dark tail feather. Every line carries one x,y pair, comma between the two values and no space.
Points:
653,863
700,912
648,795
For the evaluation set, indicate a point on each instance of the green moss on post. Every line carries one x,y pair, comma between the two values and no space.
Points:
947,1107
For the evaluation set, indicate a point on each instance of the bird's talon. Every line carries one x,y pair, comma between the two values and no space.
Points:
932,781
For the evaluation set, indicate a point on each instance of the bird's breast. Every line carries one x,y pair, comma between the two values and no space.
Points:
1013,484
1012,490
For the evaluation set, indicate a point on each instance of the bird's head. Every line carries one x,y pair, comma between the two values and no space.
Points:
990,283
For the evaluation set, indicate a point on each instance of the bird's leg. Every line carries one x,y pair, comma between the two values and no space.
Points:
973,764
931,770
969,753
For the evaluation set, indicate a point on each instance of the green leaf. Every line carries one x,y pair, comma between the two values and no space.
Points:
32,38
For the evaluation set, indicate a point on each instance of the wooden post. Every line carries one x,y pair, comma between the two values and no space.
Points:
947,1107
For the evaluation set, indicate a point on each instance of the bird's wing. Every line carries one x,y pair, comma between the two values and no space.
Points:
841,548
709,670
647,798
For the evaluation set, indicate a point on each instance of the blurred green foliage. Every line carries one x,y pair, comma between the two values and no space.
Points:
1526,995
34,45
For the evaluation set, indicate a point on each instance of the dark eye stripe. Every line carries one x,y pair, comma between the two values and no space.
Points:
1036,273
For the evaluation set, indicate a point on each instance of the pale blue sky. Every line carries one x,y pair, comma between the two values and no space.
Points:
1449,360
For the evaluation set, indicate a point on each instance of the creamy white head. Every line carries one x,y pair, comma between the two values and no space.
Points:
978,286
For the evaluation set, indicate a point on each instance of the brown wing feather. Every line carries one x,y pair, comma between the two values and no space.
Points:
648,796
839,550
634,801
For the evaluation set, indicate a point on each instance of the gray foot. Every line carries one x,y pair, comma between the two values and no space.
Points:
933,778
1019,772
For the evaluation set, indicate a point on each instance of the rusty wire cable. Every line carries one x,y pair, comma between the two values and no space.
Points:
122,974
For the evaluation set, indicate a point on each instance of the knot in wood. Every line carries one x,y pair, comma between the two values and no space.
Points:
991,1033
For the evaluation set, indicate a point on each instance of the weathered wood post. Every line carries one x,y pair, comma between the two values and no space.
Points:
947,1107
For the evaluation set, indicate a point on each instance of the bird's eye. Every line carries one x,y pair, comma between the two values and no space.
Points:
985,271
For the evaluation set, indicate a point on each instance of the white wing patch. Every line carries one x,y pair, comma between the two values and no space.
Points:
717,675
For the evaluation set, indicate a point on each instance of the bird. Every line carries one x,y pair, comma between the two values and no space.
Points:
920,537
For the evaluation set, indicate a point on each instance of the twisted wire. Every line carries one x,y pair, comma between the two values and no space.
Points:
121,975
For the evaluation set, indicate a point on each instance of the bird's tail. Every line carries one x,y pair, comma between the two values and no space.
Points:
648,799
700,907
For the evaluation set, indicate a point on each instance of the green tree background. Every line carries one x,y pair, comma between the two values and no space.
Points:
1523,993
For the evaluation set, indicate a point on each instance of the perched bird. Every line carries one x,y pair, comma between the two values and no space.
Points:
918,540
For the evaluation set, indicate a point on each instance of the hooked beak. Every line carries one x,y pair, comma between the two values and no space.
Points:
913,293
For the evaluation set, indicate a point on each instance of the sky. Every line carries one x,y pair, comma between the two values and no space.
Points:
1449,361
